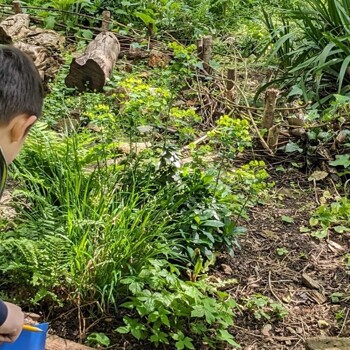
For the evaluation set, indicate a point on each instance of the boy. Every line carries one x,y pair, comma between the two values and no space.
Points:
21,100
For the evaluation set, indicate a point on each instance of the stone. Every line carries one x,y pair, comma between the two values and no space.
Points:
327,343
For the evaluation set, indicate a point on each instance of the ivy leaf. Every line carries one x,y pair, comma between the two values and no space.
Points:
341,160
293,147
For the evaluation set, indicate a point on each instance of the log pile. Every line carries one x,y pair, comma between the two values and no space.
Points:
44,46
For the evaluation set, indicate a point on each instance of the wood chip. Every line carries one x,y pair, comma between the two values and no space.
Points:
227,270
335,247
310,282
318,297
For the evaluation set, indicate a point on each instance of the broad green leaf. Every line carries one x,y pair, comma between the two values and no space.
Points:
123,330
293,147
341,229
288,219
313,221
341,160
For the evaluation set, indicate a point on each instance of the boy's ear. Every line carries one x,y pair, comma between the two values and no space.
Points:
20,126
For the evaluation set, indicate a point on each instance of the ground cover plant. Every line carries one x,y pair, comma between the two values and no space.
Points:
161,212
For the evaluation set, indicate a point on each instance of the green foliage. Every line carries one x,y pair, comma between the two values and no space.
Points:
331,217
176,310
99,339
316,56
263,307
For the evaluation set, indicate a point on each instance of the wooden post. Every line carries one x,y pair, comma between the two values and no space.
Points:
200,48
106,18
207,52
272,138
271,96
231,76
17,7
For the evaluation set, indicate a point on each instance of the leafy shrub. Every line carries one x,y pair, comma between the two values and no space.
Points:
170,310
315,56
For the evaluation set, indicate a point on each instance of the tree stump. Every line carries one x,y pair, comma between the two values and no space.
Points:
91,70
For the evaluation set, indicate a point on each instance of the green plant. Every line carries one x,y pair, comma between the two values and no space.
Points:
282,251
331,217
176,310
99,339
316,56
263,307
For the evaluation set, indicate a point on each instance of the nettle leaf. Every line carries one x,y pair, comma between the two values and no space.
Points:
341,160
293,147
226,336
198,311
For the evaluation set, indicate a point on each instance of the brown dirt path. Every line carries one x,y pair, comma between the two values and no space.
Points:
288,279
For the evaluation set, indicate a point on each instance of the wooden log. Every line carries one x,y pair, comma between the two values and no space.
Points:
53,342
91,70
44,46
271,96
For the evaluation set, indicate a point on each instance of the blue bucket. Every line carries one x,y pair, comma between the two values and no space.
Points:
29,340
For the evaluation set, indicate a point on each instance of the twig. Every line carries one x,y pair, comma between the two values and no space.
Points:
344,322
272,291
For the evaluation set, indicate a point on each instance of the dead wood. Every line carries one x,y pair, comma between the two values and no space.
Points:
271,96
272,138
43,46
91,70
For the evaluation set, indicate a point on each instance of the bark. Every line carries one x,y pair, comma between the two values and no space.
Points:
43,46
91,70
271,96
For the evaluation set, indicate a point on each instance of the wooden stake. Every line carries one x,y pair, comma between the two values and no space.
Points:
271,96
231,75
272,138
200,48
17,7
106,18
207,52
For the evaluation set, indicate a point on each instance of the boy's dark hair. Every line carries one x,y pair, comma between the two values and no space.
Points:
21,90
